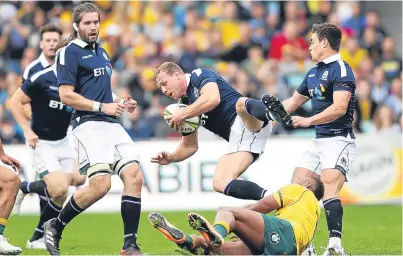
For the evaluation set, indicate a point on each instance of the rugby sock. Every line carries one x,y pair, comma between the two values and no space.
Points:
70,210
256,108
37,187
222,228
244,189
43,201
130,210
189,243
3,223
51,211
334,216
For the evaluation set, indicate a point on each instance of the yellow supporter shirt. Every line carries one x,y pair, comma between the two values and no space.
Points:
300,207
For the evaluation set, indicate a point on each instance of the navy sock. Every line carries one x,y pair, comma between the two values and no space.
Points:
37,187
70,210
49,212
43,201
256,108
130,210
244,189
334,216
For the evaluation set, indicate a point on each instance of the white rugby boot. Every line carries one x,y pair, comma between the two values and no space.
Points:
37,244
8,249
18,201
334,247
310,250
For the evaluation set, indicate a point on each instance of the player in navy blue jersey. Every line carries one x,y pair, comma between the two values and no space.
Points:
53,155
224,112
104,148
330,86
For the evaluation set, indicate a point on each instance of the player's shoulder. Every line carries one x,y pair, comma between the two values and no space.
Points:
341,69
46,74
31,68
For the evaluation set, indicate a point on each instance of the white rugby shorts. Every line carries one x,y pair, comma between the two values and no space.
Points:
50,156
100,142
241,139
329,153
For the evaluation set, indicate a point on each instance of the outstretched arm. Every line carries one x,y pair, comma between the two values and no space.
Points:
294,102
264,205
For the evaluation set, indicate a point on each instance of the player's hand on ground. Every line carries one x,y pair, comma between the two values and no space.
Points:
31,138
162,158
176,119
298,121
14,163
113,109
130,104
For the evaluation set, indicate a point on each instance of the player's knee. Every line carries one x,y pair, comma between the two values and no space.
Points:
133,176
58,189
100,185
78,180
240,105
218,184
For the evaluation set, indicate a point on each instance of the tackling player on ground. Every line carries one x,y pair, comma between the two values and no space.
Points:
224,112
9,185
53,156
288,232
104,148
330,86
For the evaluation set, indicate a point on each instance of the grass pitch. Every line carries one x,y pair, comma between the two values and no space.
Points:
367,230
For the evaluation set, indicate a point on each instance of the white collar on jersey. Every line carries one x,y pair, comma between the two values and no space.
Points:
43,60
333,58
187,79
79,42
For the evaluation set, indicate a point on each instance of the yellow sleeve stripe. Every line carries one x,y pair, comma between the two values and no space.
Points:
281,198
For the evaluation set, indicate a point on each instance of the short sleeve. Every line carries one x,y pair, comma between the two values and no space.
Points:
30,88
201,77
343,78
67,67
288,194
303,87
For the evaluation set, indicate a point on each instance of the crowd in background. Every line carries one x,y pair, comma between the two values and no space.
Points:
259,47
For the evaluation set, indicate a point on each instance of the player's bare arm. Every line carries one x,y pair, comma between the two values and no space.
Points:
78,102
17,102
208,100
9,160
294,102
265,205
187,147
330,114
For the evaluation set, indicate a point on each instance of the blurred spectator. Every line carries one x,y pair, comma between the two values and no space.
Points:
380,88
390,63
365,103
394,102
370,43
357,21
289,37
352,53
372,21
383,120
240,50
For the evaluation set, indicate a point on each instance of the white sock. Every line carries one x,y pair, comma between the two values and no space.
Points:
335,241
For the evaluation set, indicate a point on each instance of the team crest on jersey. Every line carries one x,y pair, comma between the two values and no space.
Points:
324,75
275,238
105,56
196,92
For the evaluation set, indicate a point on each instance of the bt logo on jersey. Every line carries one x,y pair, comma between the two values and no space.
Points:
99,71
56,104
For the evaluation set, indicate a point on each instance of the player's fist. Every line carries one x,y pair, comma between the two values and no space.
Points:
31,138
113,109
162,158
130,104
8,160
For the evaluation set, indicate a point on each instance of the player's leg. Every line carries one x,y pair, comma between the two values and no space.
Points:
248,225
127,167
276,110
228,169
9,185
337,157
252,113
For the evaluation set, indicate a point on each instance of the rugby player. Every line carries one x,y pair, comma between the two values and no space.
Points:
104,148
289,231
224,112
330,86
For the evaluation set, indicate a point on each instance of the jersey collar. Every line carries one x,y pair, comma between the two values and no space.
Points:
187,79
44,62
333,58
81,43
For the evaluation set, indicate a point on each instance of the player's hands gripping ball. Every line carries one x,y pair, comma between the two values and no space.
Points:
173,115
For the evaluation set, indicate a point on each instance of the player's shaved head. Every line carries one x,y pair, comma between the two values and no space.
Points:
168,67
314,184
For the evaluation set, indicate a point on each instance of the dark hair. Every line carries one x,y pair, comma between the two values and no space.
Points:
329,31
319,189
78,13
50,28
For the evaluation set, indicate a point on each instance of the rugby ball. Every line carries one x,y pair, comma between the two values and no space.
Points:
189,126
